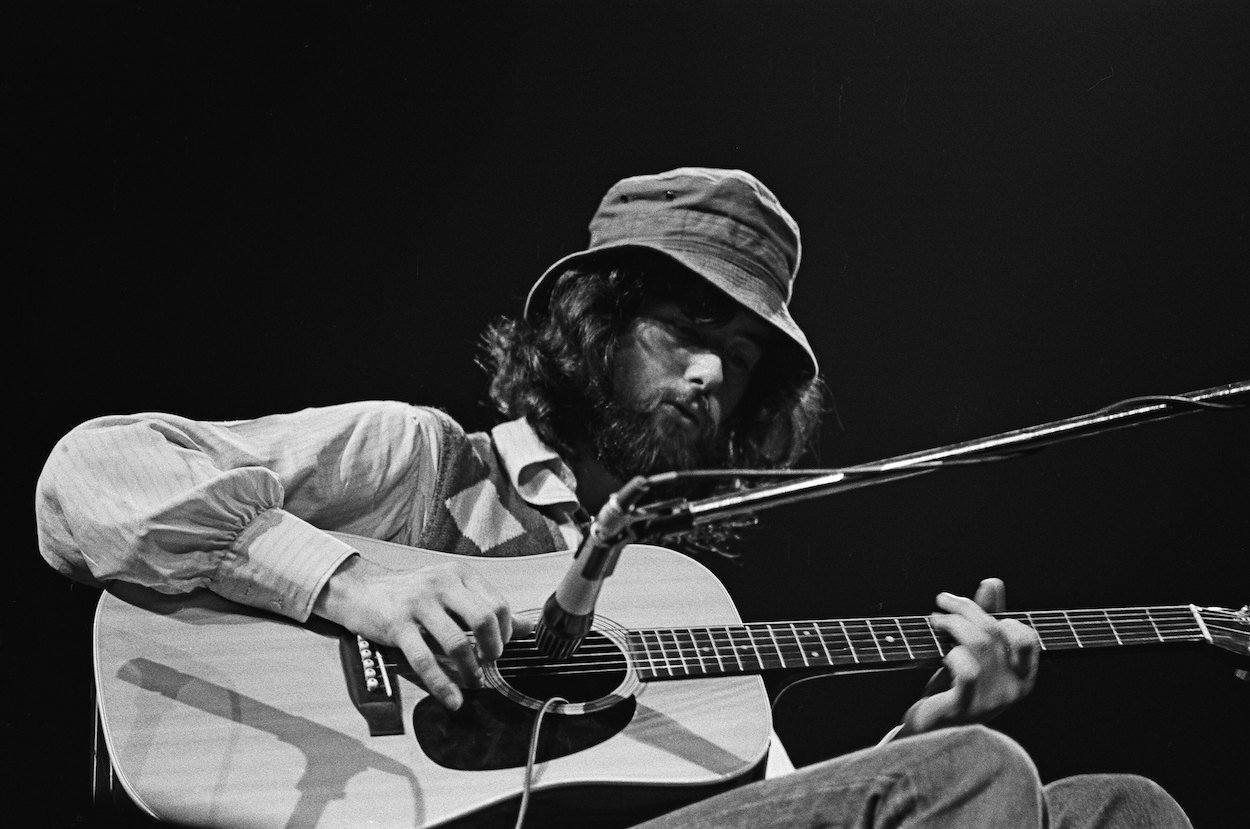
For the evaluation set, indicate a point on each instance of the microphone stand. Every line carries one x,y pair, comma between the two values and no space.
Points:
656,521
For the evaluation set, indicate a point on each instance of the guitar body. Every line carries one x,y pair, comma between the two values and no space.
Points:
218,715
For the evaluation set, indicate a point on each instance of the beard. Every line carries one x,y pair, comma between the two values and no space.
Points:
649,437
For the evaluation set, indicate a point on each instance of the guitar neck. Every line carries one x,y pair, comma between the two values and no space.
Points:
887,641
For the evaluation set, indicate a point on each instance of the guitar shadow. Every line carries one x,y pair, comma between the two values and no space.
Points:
659,729
322,782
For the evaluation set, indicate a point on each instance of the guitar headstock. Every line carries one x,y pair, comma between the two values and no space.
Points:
1229,629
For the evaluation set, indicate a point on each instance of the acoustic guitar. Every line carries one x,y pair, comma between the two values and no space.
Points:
215,714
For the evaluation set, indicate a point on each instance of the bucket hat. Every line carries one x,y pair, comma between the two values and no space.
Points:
723,225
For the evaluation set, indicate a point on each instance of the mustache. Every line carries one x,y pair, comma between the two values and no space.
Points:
697,404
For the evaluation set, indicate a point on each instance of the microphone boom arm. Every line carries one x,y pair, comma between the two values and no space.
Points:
670,518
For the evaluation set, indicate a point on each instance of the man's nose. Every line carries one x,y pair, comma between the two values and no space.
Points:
705,370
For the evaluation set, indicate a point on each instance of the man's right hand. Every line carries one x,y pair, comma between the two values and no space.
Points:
399,607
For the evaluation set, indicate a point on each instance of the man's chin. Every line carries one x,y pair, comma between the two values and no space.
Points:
664,438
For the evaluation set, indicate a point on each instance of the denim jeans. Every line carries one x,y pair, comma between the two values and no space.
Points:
958,777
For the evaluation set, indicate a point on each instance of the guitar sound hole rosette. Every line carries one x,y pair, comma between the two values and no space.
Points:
597,676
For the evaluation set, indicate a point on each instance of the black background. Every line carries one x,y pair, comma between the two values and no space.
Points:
1012,213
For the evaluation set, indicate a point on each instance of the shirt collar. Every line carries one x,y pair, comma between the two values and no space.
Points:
536,471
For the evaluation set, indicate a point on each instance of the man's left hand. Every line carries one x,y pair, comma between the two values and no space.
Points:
992,666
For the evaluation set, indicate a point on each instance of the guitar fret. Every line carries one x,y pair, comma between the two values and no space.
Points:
668,661
646,649
776,645
1052,626
873,634
658,663
1150,619
1135,625
1102,627
753,635
889,651
862,638
678,658
1141,627
918,638
664,661
1068,619
708,645
655,649
694,649
750,643
722,643
716,650
776,648
820,637
729,640
933,633
1041,640
1154,627
799,643
849,644
898,624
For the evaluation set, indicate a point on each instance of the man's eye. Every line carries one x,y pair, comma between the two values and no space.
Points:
682,327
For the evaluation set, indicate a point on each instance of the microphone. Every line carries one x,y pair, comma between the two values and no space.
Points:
570,610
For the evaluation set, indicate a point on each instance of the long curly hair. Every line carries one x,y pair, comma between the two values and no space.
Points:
557,370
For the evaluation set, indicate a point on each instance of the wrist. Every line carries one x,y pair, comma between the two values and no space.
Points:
341,590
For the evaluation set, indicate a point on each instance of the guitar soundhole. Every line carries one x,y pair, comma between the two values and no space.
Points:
594,671
492,730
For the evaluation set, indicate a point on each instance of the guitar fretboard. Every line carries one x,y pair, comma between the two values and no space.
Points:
678,653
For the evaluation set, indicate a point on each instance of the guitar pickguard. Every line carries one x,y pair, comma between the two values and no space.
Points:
490,731
494,727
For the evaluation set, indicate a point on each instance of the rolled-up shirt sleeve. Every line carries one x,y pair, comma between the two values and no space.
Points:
239,507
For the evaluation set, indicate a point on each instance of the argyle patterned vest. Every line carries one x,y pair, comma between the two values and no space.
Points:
476,511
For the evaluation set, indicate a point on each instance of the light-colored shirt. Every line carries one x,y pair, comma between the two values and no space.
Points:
240,507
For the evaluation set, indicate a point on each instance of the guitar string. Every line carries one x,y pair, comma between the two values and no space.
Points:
878,629
881,629
874,625
865,631
750,637
789,649
615,662
794,649
667,638
792,633
672,668
746,636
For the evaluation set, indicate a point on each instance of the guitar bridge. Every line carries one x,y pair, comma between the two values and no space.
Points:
371,686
